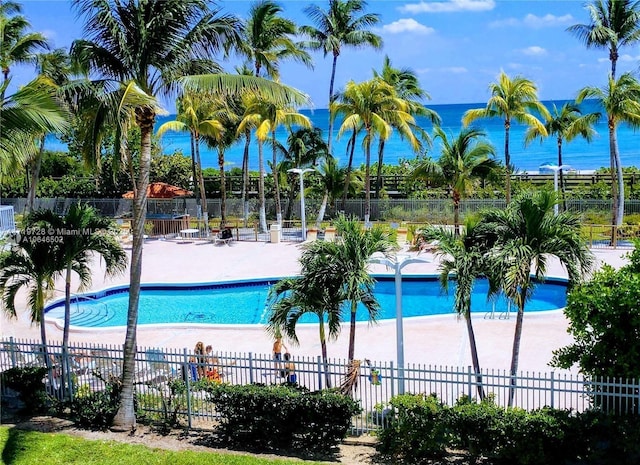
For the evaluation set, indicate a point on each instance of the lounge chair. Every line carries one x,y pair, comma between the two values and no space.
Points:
159,370
224,236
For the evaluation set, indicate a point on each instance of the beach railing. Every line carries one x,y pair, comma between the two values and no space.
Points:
159,369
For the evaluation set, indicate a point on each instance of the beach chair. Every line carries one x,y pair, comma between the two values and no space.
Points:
159,370
225,236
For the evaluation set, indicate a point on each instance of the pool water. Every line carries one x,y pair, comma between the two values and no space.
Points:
244,302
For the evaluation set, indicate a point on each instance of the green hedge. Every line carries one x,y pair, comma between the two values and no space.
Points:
281,417
421,429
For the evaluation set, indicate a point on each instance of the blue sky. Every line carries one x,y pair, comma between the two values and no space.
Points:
457,47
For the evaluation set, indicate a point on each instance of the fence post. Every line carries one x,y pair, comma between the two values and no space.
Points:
186,370
12,352
251,367
319,363
393,382
552,388
469,387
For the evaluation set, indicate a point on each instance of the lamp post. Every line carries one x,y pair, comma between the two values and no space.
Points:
397,263
303,218
555,169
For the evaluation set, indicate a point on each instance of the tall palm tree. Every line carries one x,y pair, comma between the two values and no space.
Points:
462,162
318,291
513,100
129,41
83,234
374,106
614,24
267,39
266,116
57,67
407,87
195,116
355,246
621,103
343,24
17,46
566,123
463,257
525,236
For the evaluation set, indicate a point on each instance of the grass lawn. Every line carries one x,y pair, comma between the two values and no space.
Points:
21,447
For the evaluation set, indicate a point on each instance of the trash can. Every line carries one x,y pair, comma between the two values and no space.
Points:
275,233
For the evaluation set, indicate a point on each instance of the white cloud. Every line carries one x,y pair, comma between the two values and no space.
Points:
533,21
627,58
407,25
448,6
455,70
534,51
547,20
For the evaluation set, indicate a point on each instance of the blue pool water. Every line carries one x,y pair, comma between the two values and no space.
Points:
243,302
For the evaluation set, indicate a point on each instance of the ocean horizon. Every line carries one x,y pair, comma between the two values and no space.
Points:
578,154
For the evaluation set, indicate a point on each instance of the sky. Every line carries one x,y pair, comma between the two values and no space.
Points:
456,47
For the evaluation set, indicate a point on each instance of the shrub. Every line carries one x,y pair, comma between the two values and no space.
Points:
281,417
417,429
28,383
95,410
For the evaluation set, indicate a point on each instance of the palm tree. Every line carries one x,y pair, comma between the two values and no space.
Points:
195,116
32,264
115,49
344,24
407,87
55,66
565,123
331,186
525,236
614,24
17,46
511,100
266,116
464,258
621,103
375,106
462,161
84,234
267,40
318,291
355,245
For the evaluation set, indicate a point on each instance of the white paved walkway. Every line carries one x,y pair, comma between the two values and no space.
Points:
436,340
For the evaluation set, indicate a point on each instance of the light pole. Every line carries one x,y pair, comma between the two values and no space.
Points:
397,263
555,169
303,218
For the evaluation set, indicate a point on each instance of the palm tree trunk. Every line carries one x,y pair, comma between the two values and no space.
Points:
323,208
367,179
194,171
125,419
331,97
515,352
35,175
276,181
507,161
323,348
203,194
223,188
613,147
351,145
65,330
474,355
456,212
292,195
245,178
263,211
379,171
620,206
352,331
564,200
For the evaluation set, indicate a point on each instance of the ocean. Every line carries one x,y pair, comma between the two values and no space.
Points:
578,154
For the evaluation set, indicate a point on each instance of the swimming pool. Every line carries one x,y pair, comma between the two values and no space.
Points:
243,302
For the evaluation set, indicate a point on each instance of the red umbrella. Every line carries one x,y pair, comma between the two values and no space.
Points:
161,190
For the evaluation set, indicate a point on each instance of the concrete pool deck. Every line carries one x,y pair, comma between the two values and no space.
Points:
433,340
